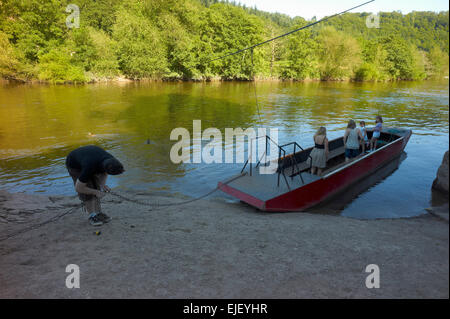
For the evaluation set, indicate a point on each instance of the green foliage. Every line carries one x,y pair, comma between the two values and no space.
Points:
424,30
140,50
400,58
438,63
105,63
339,54
56,66
8,62
301,62
94,51
227,29
32,24
177,39
182,42
367,72
82,49
99,14
419,62
375,63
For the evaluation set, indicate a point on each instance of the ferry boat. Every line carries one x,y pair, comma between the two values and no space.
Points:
291,186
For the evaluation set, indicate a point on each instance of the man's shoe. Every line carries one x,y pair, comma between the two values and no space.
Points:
94,220
103,217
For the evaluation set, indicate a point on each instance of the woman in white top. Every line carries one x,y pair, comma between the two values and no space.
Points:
365,140
351,140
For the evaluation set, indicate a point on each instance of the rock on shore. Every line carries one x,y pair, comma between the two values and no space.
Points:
441,181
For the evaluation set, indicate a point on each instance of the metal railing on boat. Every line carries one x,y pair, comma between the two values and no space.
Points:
281,156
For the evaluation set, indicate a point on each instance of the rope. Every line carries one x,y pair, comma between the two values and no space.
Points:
290,32
136,201
27,229
55,218
254,86
153,205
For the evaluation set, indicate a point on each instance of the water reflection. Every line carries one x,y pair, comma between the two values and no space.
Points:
370,209
40,124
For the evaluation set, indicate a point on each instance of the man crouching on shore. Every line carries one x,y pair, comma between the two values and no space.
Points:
89,167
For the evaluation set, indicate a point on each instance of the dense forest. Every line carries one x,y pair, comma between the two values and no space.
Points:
176,39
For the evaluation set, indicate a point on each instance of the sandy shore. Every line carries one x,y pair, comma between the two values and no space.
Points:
214,249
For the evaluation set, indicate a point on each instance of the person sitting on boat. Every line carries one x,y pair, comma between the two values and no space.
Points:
89,166
365,140
352,137
376,133
320,152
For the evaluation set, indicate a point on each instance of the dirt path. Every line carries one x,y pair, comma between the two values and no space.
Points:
213,249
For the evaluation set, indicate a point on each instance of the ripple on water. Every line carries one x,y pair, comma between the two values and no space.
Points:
39,125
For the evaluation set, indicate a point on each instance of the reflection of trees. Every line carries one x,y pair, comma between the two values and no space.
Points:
35,118
329,103
39,124
154,117
16,166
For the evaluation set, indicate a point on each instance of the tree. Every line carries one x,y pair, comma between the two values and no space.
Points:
177,39
140,50
300,57
99,14
225,29
400,58
339,54
438,63
55,66
32,24
9,64
106,63
375,64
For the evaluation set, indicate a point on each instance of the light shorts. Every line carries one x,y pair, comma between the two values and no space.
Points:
92,183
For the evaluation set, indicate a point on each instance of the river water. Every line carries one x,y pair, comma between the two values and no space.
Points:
40,124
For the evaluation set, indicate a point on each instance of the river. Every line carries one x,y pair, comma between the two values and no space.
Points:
40,124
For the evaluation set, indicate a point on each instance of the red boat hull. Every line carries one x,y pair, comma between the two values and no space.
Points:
323,188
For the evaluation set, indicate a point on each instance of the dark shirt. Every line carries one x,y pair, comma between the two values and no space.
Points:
319,146
89,160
